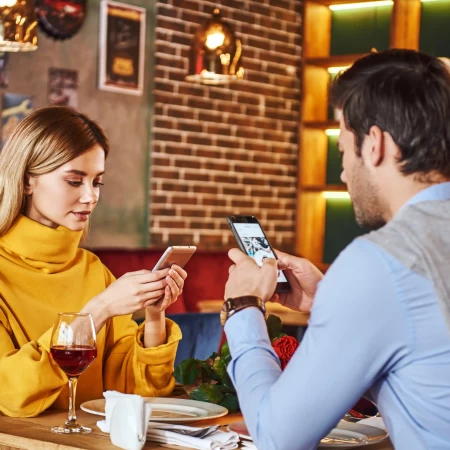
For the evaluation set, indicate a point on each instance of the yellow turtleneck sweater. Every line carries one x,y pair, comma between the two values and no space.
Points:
43,272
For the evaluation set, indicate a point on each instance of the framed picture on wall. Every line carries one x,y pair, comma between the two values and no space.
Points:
122,47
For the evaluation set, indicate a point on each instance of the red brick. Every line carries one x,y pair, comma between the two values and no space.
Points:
228,190
213,201
159,172
186,4
172,150
198,140
226,178
178,199
194,212
200,103
177,76
208,153
195,176
166,61
189,163
160,86
190,126
217,165
158,136
156,211
172,223
166,11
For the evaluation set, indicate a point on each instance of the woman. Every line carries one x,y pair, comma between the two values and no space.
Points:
51,170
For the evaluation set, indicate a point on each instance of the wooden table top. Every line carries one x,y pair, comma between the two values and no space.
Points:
34,433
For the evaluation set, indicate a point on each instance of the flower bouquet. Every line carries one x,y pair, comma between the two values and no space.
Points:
209,381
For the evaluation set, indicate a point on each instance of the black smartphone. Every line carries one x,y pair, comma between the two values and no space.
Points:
252,240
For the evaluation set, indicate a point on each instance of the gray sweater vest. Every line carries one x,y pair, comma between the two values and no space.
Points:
419,237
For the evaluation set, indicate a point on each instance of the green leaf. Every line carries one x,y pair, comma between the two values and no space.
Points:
225,353
219,367
231,402
207,372
187,371
274,326
207,393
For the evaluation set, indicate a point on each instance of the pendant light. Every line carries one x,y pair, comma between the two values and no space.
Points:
215,54
18,26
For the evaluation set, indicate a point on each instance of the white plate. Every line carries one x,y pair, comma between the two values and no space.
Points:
345,435
168,409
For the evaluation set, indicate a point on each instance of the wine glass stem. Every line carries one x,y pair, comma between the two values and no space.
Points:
72,418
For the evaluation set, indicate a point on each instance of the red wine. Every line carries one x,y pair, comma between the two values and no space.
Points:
73,359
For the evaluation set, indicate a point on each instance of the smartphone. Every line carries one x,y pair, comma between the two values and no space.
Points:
178,255
252,240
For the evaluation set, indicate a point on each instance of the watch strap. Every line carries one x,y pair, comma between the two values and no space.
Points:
233,305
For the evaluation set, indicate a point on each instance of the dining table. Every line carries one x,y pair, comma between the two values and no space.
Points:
34,433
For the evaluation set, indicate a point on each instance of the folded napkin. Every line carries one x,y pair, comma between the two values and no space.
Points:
126,419
376,422
173,434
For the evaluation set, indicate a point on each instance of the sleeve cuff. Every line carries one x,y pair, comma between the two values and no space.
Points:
162,354
246,327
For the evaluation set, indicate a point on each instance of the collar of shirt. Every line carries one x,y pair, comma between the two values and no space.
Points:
440,191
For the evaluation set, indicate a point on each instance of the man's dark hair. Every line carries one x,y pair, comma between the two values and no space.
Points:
405,93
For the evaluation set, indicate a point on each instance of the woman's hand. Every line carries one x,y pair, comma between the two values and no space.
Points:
155,326
128,294
174,288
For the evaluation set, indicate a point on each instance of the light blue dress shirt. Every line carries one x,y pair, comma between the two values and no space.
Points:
376,328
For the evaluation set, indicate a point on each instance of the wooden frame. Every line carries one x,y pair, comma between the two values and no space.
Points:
122,48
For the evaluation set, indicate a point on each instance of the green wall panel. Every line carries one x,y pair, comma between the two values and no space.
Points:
340,228
334,162
435,28
360,30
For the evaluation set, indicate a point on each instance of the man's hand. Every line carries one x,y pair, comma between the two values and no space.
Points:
247,278
303,277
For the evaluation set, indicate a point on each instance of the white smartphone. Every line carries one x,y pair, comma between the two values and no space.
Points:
178,255
252,240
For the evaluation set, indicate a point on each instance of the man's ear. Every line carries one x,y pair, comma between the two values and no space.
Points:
29,183
376,150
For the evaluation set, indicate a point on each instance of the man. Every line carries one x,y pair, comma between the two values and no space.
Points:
380,318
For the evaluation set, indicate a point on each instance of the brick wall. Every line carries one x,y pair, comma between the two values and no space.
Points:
229,149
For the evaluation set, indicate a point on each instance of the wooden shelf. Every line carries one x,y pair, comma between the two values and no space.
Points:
315,146
335,61
321,125
326,187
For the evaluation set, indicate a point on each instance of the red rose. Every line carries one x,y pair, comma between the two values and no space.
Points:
285,347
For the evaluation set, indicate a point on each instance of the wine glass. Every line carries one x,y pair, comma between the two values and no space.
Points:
73,347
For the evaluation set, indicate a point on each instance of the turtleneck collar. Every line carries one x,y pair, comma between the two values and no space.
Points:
39,247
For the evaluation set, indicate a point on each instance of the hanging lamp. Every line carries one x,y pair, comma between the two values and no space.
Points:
18,26
215,54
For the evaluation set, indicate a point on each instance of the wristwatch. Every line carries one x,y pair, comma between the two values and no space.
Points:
233,305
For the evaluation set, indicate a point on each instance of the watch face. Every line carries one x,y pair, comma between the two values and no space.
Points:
223,317
60,19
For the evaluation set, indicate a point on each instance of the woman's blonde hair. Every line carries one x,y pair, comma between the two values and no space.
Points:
44,141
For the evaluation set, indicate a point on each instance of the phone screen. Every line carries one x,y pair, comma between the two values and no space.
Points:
256,244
